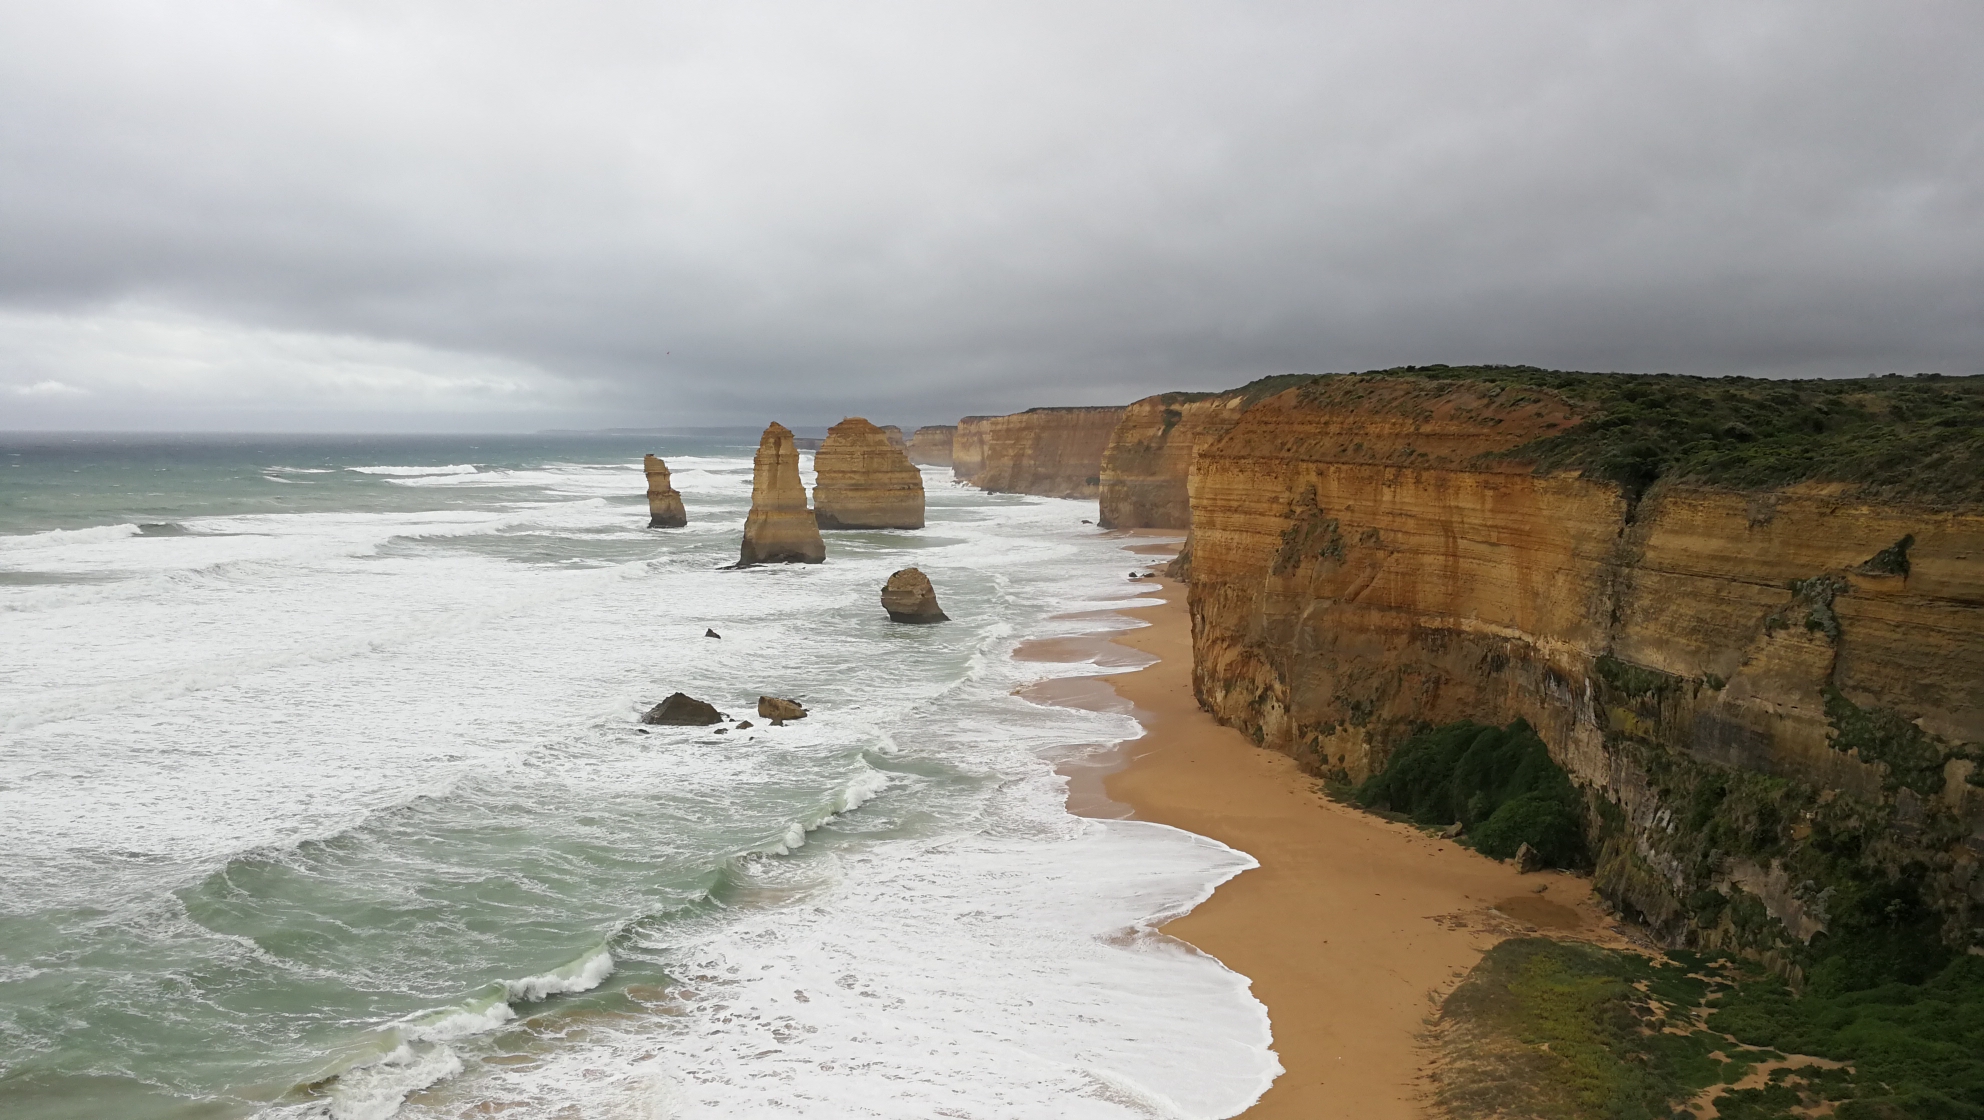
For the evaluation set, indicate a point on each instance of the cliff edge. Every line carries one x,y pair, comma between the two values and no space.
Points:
1746,616
1051,452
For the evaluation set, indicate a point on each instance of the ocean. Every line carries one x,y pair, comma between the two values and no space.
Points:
322,794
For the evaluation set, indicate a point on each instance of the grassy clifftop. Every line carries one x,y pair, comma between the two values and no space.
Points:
1919,438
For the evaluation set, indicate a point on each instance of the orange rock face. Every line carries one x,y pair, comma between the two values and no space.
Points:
968,447
1052,452
1149,457
664,504
1366,558
780,529
865,481
930,446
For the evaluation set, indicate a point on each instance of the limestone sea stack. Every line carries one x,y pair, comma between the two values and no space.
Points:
930,445
865,481
908,597
664,503
894,433
780,529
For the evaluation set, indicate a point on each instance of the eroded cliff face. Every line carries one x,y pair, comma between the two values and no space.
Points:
968,447
1149,457
930,445
1772,698
664,502
1052,452
780,529
865,481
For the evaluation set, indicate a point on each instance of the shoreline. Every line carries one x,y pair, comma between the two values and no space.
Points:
1353,927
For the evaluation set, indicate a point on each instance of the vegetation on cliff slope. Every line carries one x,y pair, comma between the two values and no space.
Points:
1915,437
1497,782
1562,1029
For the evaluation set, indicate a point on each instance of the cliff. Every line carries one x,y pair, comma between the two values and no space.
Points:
664,503
864,481
894,435
968,447
930,445
1150,452
1052,452
779,529
1753,636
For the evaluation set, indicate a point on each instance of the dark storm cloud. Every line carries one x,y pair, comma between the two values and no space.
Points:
639,213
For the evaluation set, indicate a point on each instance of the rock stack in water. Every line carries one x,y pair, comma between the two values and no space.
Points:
908,597
780,529
865,481
664,503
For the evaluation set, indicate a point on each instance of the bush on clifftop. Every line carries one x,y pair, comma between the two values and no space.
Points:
1499,782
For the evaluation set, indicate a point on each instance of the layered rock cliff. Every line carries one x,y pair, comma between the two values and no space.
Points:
865,481
1150,452
664,503
1772,693
1052,452
968,447
779,529
930,445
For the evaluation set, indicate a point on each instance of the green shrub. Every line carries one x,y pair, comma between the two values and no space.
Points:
1499,782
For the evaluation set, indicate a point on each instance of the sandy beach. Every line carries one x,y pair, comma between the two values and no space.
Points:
1352,928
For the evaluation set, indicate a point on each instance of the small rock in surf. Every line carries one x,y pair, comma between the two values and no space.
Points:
682,710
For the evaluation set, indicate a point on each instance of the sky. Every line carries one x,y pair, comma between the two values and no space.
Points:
489,215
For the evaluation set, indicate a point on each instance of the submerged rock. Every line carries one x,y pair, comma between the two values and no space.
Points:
682,710
908,597
777,710
865,480
780,529
664,503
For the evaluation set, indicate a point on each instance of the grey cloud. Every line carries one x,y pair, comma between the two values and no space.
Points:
682,213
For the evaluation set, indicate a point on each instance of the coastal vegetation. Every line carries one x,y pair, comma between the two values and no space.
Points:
1919,438
1498,783
1570,1030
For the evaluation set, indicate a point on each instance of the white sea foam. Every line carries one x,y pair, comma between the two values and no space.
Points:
455,468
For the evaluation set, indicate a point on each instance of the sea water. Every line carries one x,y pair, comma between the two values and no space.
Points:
323,794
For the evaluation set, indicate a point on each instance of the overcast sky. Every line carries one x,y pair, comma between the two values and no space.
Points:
273,214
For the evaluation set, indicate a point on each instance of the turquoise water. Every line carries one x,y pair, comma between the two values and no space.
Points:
322,794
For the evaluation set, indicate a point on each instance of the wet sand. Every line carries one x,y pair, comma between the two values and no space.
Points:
1352,928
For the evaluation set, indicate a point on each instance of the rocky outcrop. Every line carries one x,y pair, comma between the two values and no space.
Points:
894,436
778,711
1149,457
968,447
664,504
864,481
908,597
682,710
780,529
930,446
1052,452
1767,693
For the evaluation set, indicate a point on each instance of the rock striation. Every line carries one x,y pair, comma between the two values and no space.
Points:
780,528
1767,692
908,597
664,504
894,434
968,447
930,445
1149,456
682,710
864,481
1052,452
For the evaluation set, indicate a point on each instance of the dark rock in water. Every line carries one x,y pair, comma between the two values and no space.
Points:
640,731
778,711
1086,521
1134,575
1528,859
711,634
908,597
682,711
723,731
746,725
